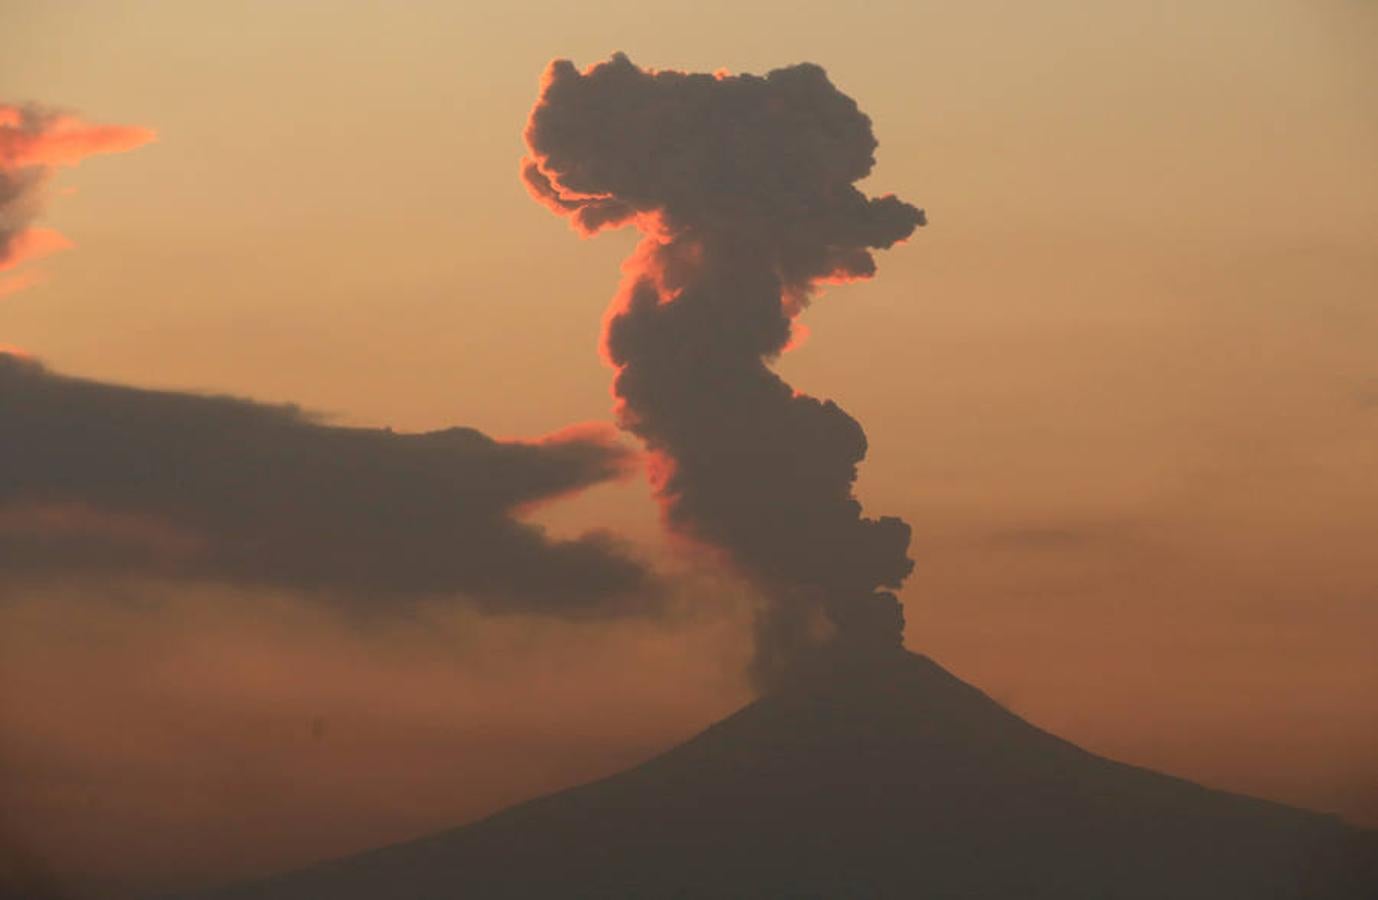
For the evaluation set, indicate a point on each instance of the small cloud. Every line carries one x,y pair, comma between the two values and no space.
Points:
34,137
33,142
31,244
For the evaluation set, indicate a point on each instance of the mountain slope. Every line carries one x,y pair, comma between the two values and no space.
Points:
877,775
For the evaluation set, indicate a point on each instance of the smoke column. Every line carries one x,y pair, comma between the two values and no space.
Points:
743,189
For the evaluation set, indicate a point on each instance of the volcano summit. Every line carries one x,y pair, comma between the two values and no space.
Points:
869,775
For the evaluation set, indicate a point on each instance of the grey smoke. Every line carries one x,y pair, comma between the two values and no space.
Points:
744,188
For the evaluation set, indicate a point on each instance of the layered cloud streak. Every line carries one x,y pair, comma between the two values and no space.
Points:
96,478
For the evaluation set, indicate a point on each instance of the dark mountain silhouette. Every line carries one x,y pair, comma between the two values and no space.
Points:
870,775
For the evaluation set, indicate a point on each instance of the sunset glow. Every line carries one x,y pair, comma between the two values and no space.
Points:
33,243
352,492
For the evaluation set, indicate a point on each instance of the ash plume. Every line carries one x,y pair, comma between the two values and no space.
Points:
35,141
743,189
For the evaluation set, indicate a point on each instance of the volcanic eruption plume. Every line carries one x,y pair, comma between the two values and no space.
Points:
743,189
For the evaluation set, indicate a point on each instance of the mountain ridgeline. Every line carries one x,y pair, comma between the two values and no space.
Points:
869,775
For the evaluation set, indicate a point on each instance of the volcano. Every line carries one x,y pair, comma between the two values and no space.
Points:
874,774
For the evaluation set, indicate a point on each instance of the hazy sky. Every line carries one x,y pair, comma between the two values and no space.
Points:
1124,387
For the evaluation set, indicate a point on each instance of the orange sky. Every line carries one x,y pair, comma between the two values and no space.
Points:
1123,385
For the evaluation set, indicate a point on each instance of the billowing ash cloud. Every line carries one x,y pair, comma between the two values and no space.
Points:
96,478
743,187
33,142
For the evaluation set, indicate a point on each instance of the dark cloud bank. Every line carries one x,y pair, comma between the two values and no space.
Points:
744,189
96,478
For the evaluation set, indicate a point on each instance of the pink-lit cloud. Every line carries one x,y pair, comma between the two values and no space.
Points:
33,143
